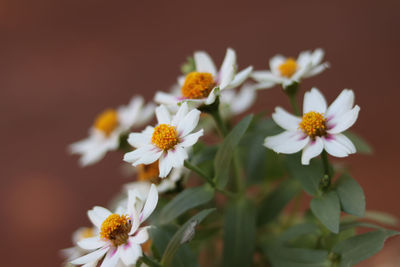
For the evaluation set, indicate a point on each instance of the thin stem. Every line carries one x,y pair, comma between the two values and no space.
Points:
326,181
220,123
199,171
293,102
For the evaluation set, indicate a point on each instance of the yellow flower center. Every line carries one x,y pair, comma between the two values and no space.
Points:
197,85
313,124
116,229
149,173
165,136
107,121
288,68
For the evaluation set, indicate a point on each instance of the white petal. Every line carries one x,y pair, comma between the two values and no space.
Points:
227,70
163,116
314,101
275,62
342,139
191,139
91,257
343,103
338,146
150,205
243,100
286,120
287,142
166,99
140,139
344,121
97,215
127,115
141,235
182,112
111,259
313,149
146,114
143,155
263,85
240,77
164,165
188,123
317,56
316,70
204,63
212,96
130,253
177,156
91,243
266,76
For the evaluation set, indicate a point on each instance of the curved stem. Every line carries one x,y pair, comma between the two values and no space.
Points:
199,171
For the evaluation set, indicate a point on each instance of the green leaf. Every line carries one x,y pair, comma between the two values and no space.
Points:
309,175
299,230
225,152
273,204
381,217
182,236
239,234
361,145
327,209
351,196
358,248
184,201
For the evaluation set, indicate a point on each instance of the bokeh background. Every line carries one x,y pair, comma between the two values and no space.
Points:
63,62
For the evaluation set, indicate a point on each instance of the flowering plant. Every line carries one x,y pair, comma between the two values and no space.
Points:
238,201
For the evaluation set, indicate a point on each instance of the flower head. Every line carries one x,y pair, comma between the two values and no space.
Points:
167,142
203,85
119,235
108,127
286,71
319,128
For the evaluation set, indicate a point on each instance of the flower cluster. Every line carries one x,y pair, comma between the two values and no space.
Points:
163,156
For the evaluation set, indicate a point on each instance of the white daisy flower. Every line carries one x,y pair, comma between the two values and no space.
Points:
203,85
75,251
108,127
120,237
320,127
286,71
167,142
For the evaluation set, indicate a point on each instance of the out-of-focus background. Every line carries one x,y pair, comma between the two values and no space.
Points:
63,62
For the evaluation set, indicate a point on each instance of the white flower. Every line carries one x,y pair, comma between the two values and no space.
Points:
75,251
319,128
286,71
203,85
120,236
108,127
168,142
236,102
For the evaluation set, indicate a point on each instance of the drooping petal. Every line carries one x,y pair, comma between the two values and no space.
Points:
91,243
287,142
314,101
227,70
240,77
343,103
182,112
130,253
143,155
111,259
164,165
188,123
243,100
191,139
97,215
141,235
91,257
177,155
163,116
204,63
313,149
150,205
344,121
286,120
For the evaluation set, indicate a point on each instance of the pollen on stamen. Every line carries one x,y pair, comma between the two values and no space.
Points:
313,124
197,85
116,229
107,121
165,136
288,68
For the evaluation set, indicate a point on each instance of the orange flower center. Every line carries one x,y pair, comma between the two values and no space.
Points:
116,229
107,121
313,124
197,85
149,173
288,68
165,136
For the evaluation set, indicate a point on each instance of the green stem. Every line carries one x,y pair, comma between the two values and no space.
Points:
326,181
199,171
220,123
293,102
149,261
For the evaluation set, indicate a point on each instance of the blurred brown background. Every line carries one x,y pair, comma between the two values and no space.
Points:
62,62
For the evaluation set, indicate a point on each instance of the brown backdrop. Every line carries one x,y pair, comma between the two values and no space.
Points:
62,62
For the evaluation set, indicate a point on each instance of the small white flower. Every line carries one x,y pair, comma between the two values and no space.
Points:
320,127
168,142
286,71
74,252
108,127
203,85
120,237
236,102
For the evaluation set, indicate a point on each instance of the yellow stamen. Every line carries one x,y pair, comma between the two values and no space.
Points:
197,85
149,173
313,124
165,136
288,68
107,121
116,229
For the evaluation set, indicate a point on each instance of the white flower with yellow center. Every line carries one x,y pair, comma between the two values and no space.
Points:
320,127
286,71
108,127
167,142
203,85
120,237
